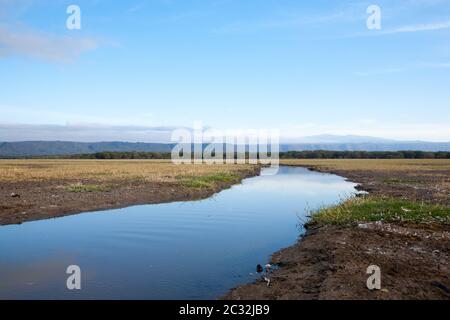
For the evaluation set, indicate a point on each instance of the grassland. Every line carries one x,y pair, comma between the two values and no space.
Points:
105,171
38,189
373,164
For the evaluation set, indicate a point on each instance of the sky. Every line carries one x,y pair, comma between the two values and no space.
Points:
302,67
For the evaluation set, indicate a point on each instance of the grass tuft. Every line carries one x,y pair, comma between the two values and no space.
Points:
79,187
372,209
210,180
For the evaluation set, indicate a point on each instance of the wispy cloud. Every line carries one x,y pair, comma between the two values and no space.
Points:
187,16
413,67
288,20
58,117
380,71
17,38
433,65
425,131
84,133
439,65
425,27
419,28
438,132
136,8
43,46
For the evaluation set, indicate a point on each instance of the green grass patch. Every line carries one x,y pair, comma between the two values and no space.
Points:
370,209
400,181
210,181
79,187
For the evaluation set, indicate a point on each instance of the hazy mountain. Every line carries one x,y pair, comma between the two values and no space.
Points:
45,148
330,138
360,143
393,146
322,142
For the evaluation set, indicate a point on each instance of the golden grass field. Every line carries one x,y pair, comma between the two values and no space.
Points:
107,170
374,164
164,171
413,172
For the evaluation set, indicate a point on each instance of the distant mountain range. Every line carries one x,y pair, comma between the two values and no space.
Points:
322,142
369,146
330,138
359,143
53,148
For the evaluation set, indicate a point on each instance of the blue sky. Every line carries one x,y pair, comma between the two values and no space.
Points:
304,67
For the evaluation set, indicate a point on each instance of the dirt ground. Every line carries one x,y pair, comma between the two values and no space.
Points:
35,195
330,262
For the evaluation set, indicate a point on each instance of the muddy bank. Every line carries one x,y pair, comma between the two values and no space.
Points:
330,262
26,201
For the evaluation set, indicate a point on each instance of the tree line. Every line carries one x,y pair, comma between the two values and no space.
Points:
324,154
123,155
319,154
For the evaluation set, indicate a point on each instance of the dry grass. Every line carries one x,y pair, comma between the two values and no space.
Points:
432,173
375,164
108,170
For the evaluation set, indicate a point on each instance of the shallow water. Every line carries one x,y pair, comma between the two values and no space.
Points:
182,250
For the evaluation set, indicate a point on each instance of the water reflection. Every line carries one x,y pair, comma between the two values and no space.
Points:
190,250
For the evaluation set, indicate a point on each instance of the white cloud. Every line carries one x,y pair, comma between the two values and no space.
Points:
438,132
43,46
414,67
379,72
135,8
288,20
420,27
289,133
438,65
84,133
29,114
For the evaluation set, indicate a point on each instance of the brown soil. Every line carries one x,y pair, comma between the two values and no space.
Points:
330,262
36,200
